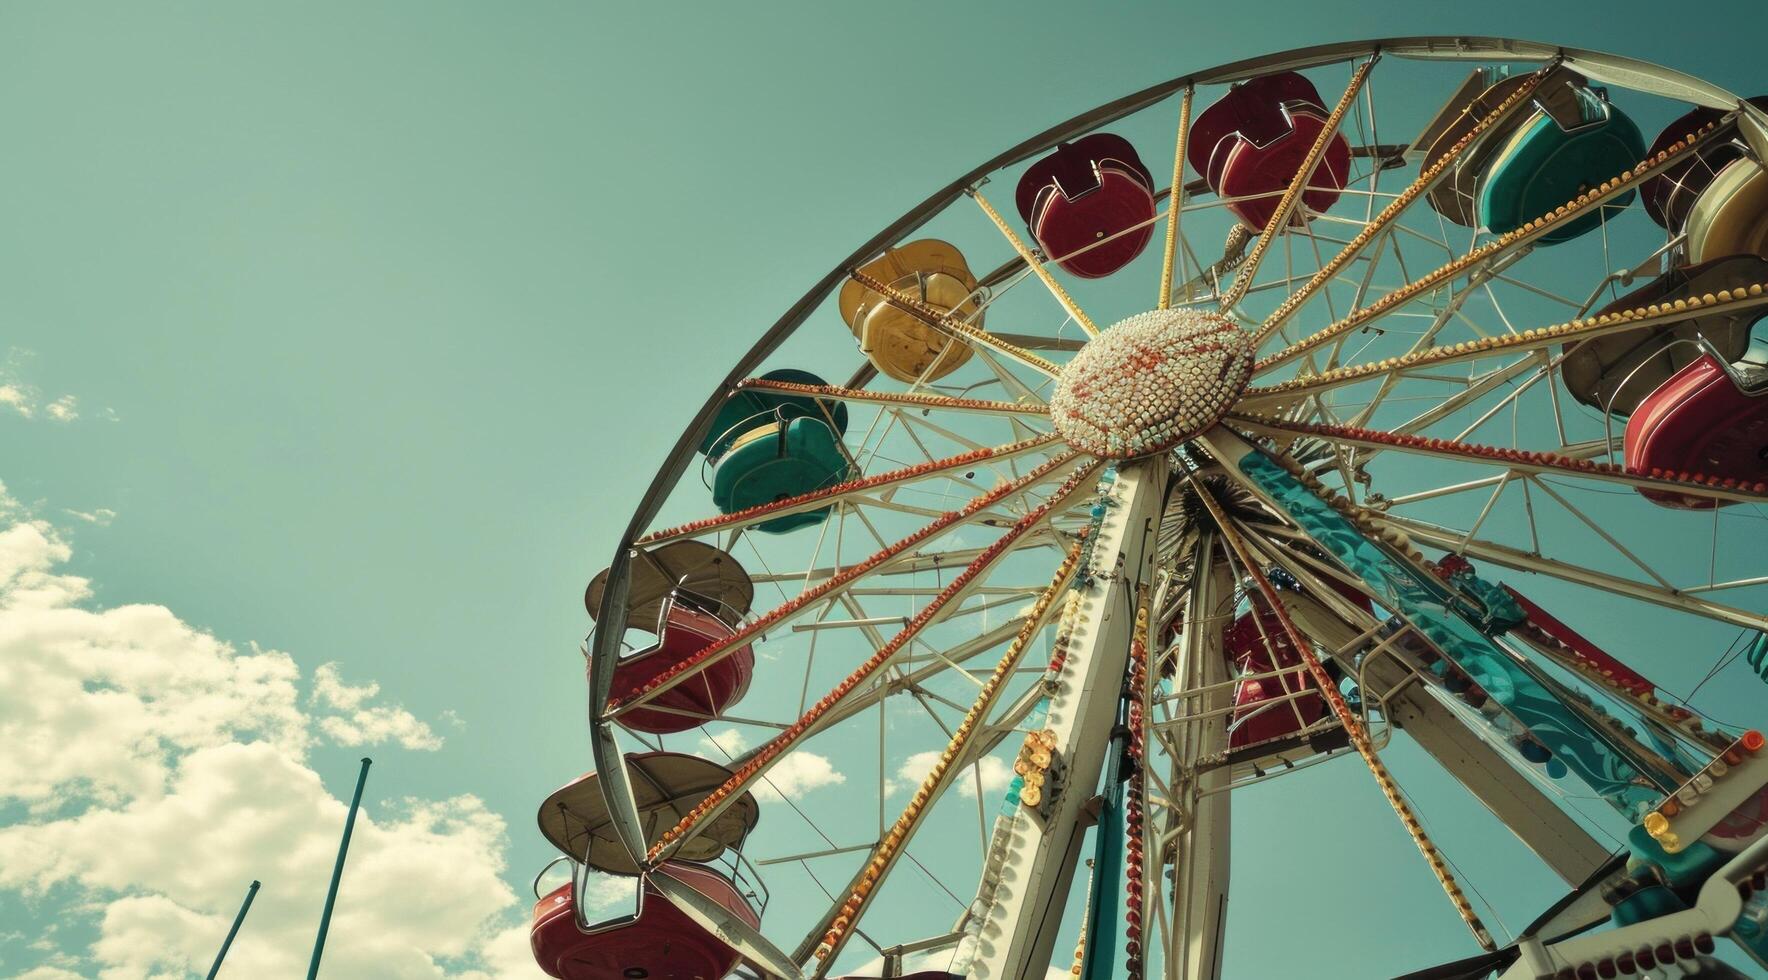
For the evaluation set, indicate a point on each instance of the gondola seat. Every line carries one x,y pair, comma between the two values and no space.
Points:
1710,419
1089,193
780,459
1551,160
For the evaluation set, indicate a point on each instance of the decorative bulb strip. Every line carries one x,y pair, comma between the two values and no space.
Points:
1680,481
1708,796
758,761
1292,194
1134,820
1643,697
886,852
939,319
690,666
1427,179
906,474
904,399
1353,726
1707,304
1646,958
1504,243
1176,203
1031,260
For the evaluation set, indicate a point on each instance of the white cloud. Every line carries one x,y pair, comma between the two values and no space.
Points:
97,703
19,398
797,773
362,723
995,775
63,409
25,400
723,746
153,770
101,516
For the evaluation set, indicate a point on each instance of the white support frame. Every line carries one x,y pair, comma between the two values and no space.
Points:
1021,928
1193,834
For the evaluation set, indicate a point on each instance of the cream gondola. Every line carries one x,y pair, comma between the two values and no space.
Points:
898,344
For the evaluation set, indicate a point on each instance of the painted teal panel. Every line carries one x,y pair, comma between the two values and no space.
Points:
1099,962
1430,607
1501,613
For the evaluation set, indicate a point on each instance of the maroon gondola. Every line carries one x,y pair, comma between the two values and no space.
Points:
1669,195
1258,714
658,940
1251,142
1092,194
691,596
661,943
684,631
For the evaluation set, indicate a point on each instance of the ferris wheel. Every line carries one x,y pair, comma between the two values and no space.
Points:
1155,477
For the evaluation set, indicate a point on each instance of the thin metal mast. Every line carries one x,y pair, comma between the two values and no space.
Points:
331,893
227,943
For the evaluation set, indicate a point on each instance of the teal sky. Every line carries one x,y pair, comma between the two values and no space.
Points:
377,319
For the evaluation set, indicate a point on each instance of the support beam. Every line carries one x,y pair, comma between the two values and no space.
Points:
1198,814
1017,937
1417,709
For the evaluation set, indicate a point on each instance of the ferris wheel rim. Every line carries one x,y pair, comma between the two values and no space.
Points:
1599,66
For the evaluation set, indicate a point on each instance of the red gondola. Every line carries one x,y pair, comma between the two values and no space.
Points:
1259,712
696,596
1089,193
683,631
1614,373
1710,418
659,940
1251,142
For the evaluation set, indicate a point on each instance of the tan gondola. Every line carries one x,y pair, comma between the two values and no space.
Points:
1731,216
665,787
713,578
899,345
1615,372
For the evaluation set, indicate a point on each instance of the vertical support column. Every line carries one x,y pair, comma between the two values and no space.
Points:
1017,937
1195,831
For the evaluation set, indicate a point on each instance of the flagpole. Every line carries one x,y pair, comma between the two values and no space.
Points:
331,894
244,907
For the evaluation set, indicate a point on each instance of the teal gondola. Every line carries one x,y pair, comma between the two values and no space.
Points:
1553,158
765,446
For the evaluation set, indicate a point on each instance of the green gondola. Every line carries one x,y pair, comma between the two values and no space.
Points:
766,446
1551,160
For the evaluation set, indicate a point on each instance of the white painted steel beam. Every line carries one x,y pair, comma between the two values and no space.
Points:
1021,927
1198,813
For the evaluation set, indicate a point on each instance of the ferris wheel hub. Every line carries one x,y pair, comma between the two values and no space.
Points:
1151,382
